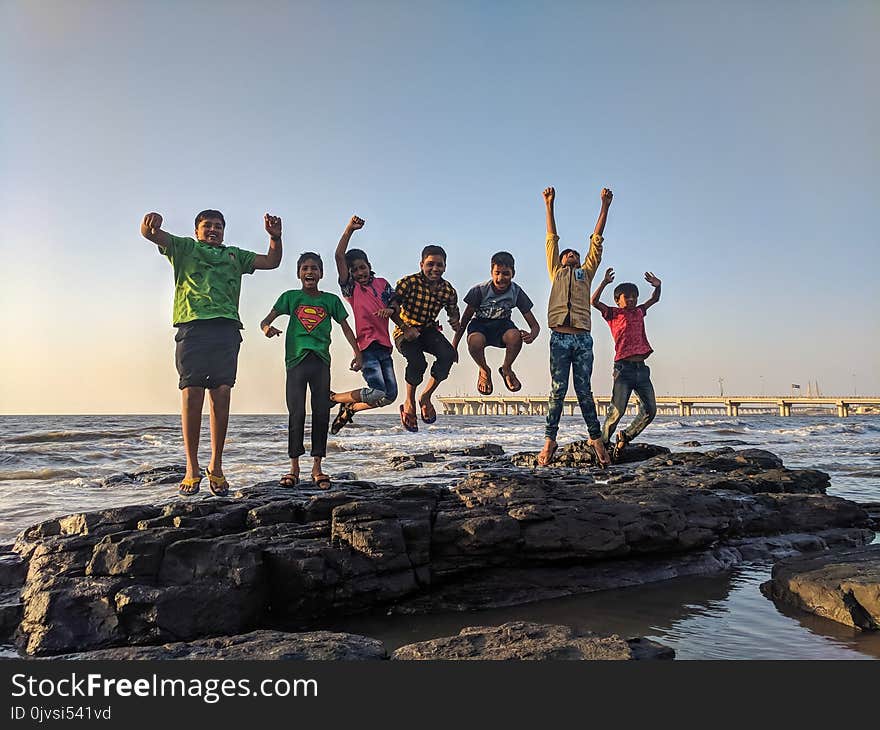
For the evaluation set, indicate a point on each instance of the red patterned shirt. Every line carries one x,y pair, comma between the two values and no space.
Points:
628,330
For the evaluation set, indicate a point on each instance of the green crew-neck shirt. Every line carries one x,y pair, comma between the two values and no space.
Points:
207,279
309,326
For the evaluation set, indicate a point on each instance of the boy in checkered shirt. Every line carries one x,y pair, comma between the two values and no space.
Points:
421,296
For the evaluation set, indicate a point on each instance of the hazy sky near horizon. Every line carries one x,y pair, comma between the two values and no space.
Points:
740,139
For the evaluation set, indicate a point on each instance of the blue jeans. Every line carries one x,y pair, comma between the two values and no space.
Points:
377,368
571,353
628,377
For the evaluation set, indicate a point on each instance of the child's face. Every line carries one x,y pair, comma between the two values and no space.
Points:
360,271
628,301
572,258
433,267
210,230
309,274
501,277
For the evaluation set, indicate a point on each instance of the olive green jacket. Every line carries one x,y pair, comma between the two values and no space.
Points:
570,292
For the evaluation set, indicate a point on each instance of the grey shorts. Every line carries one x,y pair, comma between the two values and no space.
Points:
207,353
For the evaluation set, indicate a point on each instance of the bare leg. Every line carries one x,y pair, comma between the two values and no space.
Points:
350,396
512,345
409,403
294,467
219,397
316,466
425,397
191,421
476,343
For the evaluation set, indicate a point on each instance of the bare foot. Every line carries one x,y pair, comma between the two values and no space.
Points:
548,452
484,382
601,453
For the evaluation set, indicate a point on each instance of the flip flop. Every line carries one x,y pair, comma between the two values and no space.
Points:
510,380
484,380
289,480
191,482
602,464
549,457
408,420
218,485
321,481
619,446
429,414
343,418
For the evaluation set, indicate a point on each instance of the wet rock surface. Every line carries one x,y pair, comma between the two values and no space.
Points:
503,533
842,585
529,641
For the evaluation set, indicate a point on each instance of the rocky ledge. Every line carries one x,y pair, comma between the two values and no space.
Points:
505,533
843,585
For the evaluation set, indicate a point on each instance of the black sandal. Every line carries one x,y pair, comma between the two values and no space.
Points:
321,481
289,480
343,418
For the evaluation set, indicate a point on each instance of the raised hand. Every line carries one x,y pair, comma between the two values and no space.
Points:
549,195
355,224
607,196
651,279
271,331
151,224
609,275
385,312
273,226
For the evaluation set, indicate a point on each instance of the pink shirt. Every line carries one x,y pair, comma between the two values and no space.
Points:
365,301
628,330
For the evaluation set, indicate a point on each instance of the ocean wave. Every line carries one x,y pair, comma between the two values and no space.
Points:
41,437
37,474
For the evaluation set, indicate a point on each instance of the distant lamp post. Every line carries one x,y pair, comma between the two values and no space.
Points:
721,386
855,392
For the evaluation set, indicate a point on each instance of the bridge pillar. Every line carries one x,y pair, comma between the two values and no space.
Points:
784,408
685,409
842,409
732,408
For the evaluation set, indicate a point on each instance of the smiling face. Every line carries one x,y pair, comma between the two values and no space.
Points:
309,274
210,230
433,267
360,271
571,258
501,277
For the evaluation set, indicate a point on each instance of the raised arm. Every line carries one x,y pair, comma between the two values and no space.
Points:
355,224
151,229
655,296
266,324
272,259
552,237
594,300
452,309
594,255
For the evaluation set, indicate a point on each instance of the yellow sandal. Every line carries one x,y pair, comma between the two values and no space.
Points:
189,483
218,485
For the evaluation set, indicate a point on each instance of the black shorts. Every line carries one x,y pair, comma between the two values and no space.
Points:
207,352
492,329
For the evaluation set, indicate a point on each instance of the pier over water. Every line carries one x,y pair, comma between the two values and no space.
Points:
671,405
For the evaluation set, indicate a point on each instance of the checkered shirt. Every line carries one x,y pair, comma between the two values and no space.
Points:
420,304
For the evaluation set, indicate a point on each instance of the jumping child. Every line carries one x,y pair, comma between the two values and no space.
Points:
307,358
488,322
421,296
372,301
631,349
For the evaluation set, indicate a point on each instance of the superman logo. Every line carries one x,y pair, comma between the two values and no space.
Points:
310,315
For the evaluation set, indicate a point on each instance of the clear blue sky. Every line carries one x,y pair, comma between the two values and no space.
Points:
740,139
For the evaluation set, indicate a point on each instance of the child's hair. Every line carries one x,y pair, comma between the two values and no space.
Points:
310,256
626,288
353,254
205,214
503,258
431,250
565,252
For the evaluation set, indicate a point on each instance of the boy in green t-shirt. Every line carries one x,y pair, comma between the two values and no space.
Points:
307,358
207,283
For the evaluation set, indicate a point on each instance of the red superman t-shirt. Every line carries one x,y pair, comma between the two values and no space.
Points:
309,326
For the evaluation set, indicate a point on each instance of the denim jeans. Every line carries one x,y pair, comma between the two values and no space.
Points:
377,368
628,377
571,352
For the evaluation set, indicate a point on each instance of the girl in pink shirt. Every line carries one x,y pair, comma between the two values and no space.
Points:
631,349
